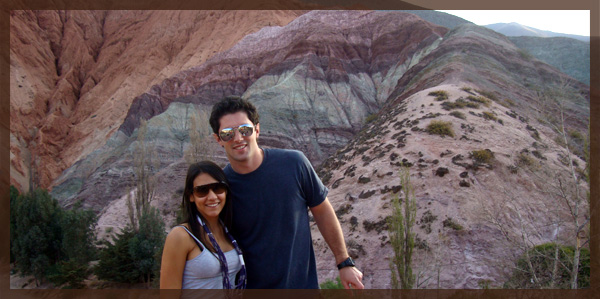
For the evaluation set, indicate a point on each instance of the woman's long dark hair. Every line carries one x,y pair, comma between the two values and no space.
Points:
189,209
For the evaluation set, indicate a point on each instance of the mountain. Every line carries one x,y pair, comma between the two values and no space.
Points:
74,74
439,18
356,92
516,29
570,56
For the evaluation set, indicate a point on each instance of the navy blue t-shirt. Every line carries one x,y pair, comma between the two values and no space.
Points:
270,220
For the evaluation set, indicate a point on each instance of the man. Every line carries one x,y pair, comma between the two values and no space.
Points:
271,190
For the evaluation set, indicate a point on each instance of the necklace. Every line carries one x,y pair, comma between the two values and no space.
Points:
221,256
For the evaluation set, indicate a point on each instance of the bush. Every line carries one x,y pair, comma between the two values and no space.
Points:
480,100
134,256
330,284
489,115
450,223
488,95
442,128
439,95
467,90
542,260
370,118
458,114
482,156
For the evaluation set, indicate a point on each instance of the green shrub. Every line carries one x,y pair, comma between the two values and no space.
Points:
480,100
482,156
489,115
370,118
451,224
332,285
488,94
542,261
467,90
458,114
442,128
439,95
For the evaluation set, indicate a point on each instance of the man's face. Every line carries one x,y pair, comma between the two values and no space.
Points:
239,148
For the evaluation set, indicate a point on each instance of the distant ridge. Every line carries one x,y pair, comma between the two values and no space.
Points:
516,29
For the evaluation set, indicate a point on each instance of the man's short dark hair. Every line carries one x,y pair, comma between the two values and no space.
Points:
230,105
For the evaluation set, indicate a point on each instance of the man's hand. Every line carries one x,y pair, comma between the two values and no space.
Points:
351,278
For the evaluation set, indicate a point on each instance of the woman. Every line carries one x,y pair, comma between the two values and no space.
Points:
200,253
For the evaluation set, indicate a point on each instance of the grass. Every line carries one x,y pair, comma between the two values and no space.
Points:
489,115
442,128
439,95
480,100
453,225
459,104
482,156
458,114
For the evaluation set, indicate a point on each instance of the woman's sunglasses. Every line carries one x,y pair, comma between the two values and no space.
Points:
217,188
228,133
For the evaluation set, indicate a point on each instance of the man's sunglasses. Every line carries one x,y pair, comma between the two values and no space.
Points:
217,188
228,133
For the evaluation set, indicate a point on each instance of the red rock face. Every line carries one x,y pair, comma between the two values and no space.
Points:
74,74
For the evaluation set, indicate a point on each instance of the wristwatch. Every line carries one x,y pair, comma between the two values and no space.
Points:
346,263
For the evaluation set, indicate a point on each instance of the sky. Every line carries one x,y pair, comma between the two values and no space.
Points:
560,21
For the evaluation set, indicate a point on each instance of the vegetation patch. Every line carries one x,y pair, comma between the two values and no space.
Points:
332,285
480,100
458,114
364,180
442,128
489,115
488,94
440,95
452,224
540,261
467,90
511,114
482,156
343,210
370,118
459,104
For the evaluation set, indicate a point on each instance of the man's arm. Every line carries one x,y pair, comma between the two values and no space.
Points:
330,228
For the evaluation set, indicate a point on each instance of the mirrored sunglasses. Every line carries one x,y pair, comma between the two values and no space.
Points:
217,188
228,133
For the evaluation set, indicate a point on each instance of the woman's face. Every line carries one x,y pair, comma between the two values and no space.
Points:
211,203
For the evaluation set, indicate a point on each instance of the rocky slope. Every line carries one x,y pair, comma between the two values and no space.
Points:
352,90
74,74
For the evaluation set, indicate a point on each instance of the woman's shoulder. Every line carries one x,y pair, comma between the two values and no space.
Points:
179,232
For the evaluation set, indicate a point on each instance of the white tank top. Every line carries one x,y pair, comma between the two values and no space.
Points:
204,271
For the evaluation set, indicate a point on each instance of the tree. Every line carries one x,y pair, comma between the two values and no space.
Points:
145,162
402,235
14,194
568,188
201,143
37,237
146,245
543,260
179,127
134,254
77,247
